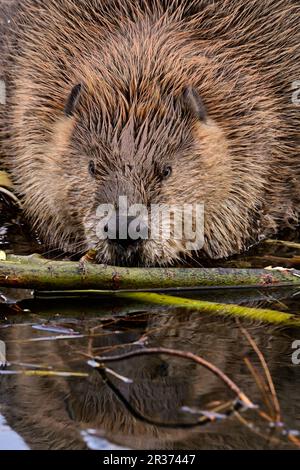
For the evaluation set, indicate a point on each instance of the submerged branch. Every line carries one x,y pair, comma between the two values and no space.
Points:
203,418
184,355
240,404
236,311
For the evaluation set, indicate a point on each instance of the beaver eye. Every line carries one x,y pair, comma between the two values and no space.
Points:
92,168
167,172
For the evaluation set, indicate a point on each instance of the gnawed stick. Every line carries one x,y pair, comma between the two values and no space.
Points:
34,272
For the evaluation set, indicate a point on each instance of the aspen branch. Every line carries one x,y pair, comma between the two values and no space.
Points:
35,272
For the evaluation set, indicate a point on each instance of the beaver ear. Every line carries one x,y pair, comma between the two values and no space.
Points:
195,104
72,100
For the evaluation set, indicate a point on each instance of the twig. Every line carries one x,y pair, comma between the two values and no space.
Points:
202,421
265,367
288,244
185,355
263,387
256,431
44,373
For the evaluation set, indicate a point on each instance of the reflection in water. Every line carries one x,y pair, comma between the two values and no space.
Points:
56,412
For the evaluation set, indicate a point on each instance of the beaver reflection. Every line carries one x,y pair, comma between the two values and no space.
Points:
50,412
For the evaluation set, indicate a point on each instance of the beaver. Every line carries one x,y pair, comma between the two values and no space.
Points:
166,102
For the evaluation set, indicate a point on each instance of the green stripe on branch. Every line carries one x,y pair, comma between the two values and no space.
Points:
238,311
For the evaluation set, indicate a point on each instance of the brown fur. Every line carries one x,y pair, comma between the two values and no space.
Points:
135,59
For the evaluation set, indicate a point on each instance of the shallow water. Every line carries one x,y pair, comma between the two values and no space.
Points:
56,412
146,402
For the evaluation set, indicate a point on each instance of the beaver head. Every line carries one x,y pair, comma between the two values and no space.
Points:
152,149
136,170
155,149
138,167
149,114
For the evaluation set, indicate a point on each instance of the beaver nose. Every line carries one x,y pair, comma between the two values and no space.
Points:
123,237
127,236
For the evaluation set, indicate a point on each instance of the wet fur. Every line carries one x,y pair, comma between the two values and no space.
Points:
135,60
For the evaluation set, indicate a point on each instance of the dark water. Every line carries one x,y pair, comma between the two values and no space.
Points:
148,402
